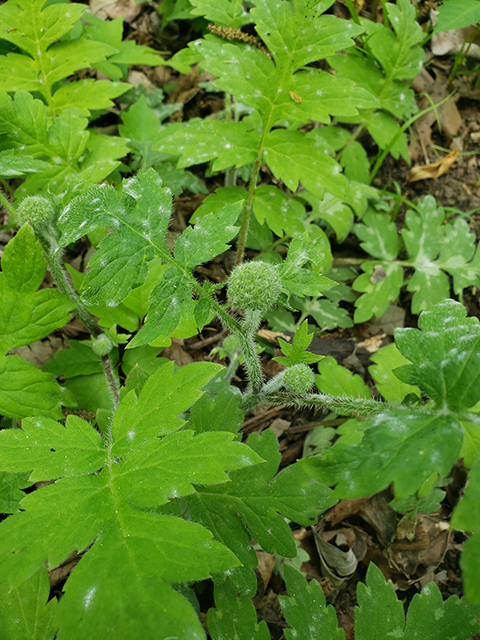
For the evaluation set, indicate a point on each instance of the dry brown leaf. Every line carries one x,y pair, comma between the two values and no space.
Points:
434,170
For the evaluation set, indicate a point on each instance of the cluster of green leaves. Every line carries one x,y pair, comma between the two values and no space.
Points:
281,92
119,495
140,221
46,136
439,361
434,246
159,492
387,59
379,614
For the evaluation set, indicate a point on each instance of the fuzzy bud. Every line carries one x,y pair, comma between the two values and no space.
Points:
37,210
102,345
298,378
255,286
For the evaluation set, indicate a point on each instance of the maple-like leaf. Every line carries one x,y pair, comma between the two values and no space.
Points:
103,500
254,504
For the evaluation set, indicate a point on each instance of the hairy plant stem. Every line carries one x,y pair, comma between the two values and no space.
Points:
57,270
251,361
247,212
111,379
357,407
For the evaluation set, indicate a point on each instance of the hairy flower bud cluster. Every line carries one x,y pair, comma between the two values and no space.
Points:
102,345
37,210
298,378
254,286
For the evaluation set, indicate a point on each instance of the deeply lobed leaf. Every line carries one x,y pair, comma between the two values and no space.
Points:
135,553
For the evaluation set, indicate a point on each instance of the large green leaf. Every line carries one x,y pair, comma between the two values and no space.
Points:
430,443
39,32
249,506
29,129
10,491
121,586
386,360
445,356
297,33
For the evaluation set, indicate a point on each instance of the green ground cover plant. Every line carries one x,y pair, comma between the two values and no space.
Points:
158,492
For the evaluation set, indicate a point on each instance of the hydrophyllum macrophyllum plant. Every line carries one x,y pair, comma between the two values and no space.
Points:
160,492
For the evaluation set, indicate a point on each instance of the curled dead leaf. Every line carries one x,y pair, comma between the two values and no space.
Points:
294,96
434,170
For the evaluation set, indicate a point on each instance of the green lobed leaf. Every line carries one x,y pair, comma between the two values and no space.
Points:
141,126
445,356
169,301
30,26
298,34
429,618
227,143
306,610
281,213
379,613
378,235
383,129
27,391
399,100
456,14
326,313
234,617
297,351
380,285
253,78
140,220
36,30
431,444
220,413
121,585
294,158
27,315
25,612
386,360
303,249
249,506
88,95
76,447
12,166
29,129
77,360
398,50
471,444
335,211
207,238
